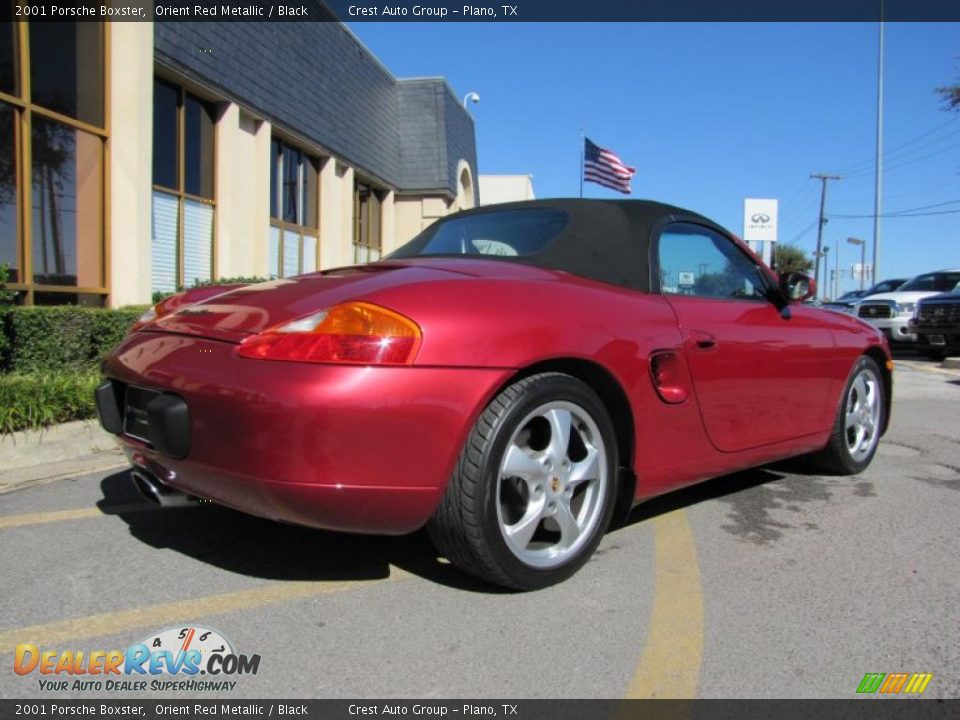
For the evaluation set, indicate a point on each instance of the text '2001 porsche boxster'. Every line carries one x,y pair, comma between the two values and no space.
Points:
512,378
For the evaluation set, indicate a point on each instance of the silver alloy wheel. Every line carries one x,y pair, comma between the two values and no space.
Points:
862,421
552,485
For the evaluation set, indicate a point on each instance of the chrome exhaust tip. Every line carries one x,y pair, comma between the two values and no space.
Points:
158,492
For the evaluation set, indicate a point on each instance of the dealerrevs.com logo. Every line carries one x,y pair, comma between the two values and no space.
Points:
187,659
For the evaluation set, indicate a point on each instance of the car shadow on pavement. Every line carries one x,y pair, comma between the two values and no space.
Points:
761,501
260,548
256,547
714,489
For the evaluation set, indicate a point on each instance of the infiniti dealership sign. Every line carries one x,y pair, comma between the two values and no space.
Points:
759,220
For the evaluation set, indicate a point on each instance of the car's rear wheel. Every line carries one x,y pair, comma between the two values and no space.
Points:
534,487
859,422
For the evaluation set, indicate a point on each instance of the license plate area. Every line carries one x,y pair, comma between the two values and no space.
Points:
937,340
136,422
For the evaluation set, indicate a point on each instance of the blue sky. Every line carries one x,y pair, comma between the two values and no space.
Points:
712,113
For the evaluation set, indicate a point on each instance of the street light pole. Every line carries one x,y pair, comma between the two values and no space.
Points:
826,270
836,275
863,256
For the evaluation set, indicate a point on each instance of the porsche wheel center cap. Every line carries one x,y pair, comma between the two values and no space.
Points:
555,484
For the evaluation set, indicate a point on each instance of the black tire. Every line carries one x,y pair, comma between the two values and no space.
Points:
837,458
467,526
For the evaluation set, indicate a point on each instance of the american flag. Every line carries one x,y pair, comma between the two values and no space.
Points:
603,167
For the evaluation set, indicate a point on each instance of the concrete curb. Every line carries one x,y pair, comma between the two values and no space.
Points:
31,457
951,363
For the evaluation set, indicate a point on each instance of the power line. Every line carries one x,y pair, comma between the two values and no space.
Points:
911,161
928,188
895,157
894,217
895,213
799,236
864,164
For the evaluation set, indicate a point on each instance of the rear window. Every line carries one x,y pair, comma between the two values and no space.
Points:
939,282
504,233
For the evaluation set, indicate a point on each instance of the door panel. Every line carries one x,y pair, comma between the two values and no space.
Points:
758,373
761,380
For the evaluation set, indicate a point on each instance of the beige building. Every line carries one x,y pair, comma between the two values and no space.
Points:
138,157
505,188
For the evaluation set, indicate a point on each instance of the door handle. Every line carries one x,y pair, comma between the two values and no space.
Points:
703,340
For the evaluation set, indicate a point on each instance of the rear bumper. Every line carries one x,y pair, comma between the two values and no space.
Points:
359,449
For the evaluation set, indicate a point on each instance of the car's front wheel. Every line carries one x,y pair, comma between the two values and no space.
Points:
534,487
859,422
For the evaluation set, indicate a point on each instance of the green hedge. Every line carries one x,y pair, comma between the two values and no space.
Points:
240,280
36,400
61,338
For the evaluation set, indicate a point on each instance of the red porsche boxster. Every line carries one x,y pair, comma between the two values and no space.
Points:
511,378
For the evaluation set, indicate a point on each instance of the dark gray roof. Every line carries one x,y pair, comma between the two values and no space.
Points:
316,80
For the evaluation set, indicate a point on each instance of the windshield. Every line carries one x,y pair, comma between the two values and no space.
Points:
504,233
934,282
885,287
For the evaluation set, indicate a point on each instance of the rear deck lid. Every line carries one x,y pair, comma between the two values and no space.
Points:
238,314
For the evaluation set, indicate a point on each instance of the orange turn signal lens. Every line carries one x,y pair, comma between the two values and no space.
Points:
355,332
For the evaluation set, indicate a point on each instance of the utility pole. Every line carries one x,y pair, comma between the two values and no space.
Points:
878,171
823,221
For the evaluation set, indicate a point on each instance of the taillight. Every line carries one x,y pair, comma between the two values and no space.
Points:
150,314
354,332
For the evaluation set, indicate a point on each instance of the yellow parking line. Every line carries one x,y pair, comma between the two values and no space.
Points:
40,518
670,664
93,626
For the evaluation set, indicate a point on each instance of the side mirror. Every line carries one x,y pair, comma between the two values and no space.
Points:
797,287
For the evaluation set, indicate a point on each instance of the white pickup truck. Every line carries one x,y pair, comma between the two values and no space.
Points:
891,312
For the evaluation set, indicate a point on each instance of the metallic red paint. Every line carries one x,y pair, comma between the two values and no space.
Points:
370,449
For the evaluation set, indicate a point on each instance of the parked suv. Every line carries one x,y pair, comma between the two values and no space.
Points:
848,301
936,324
891,312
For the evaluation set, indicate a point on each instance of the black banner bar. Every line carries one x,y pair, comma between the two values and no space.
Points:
873,708
490,11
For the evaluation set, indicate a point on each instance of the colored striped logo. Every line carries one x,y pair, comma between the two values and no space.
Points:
911,683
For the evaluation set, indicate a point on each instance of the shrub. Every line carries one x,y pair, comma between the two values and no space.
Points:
63,338
6,300
6,296
29,401
158,296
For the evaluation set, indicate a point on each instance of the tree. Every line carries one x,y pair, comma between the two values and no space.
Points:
951,96
790,258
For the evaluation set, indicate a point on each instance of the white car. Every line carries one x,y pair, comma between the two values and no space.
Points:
891,312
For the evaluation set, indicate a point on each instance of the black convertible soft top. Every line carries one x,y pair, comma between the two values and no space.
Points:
605,240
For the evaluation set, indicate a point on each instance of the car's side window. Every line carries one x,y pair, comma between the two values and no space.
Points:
698,261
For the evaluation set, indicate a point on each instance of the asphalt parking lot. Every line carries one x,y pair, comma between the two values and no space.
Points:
769,583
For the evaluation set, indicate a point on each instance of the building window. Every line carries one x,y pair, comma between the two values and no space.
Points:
52,184
367,239
183,188
294,216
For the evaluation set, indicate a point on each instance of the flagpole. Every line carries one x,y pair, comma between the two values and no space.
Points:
582,146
